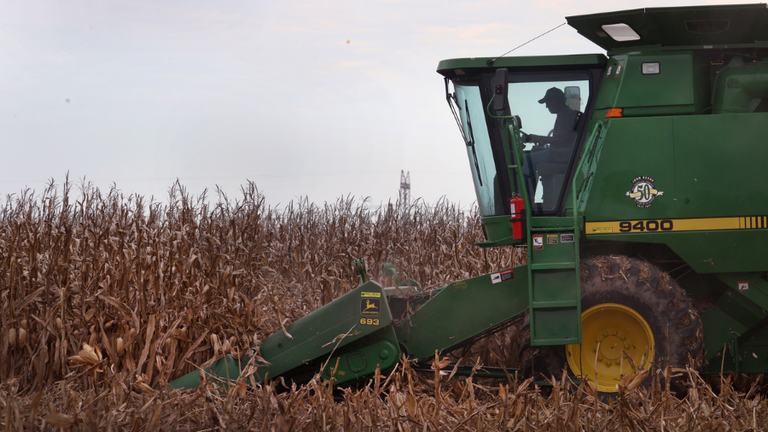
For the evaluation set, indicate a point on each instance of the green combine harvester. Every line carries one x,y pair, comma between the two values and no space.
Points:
637,180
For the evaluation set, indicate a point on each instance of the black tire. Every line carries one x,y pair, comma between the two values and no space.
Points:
639,285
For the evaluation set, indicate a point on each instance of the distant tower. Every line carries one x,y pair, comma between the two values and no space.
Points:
405,188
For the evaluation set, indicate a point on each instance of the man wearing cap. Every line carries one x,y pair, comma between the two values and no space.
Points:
558,145
564,132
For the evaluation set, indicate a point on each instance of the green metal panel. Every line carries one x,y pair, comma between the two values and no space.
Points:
223,372
498,231
550,285
633,148
750,286
753,356
496,227
674,90
736,325
720,164
361,358
357,314
673,85
705,251
723,251
556,324
463,310
710,171
720,335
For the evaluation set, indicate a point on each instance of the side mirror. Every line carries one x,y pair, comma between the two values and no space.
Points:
500,89
573,97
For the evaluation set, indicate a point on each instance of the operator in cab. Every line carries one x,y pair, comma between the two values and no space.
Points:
551,153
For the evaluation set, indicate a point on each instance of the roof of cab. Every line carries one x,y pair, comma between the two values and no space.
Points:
703,26
453,67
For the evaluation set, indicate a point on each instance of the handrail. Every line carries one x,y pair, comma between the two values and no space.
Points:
585,170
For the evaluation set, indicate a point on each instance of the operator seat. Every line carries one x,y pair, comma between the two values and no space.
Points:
553,177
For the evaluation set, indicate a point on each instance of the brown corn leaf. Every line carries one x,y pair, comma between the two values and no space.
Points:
638,379
438,365
87,355
410,405
60,420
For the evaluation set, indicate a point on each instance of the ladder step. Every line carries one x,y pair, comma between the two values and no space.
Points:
549,221
553,266
561,304
559,341
566,229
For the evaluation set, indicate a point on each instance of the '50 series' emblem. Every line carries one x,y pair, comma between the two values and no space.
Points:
643,191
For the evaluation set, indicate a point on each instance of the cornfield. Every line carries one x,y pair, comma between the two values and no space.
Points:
106,297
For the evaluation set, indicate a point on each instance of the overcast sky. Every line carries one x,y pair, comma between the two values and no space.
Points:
317,99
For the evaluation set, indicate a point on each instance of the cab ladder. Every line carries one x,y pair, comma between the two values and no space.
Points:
553,259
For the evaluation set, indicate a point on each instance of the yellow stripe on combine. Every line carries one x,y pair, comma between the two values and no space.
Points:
675,225
708,224
754,222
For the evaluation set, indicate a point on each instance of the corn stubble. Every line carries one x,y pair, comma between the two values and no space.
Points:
106,297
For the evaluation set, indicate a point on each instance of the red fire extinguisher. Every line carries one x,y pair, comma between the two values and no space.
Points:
517,208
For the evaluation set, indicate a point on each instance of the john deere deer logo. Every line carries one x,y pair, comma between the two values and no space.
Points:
371,307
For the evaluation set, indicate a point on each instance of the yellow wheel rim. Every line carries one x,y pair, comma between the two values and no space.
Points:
608,331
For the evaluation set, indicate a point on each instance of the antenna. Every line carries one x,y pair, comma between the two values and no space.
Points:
490,62
405,188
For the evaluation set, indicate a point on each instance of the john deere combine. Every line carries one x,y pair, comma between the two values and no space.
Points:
638,182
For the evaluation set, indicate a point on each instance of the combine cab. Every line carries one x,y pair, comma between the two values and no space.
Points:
637,182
